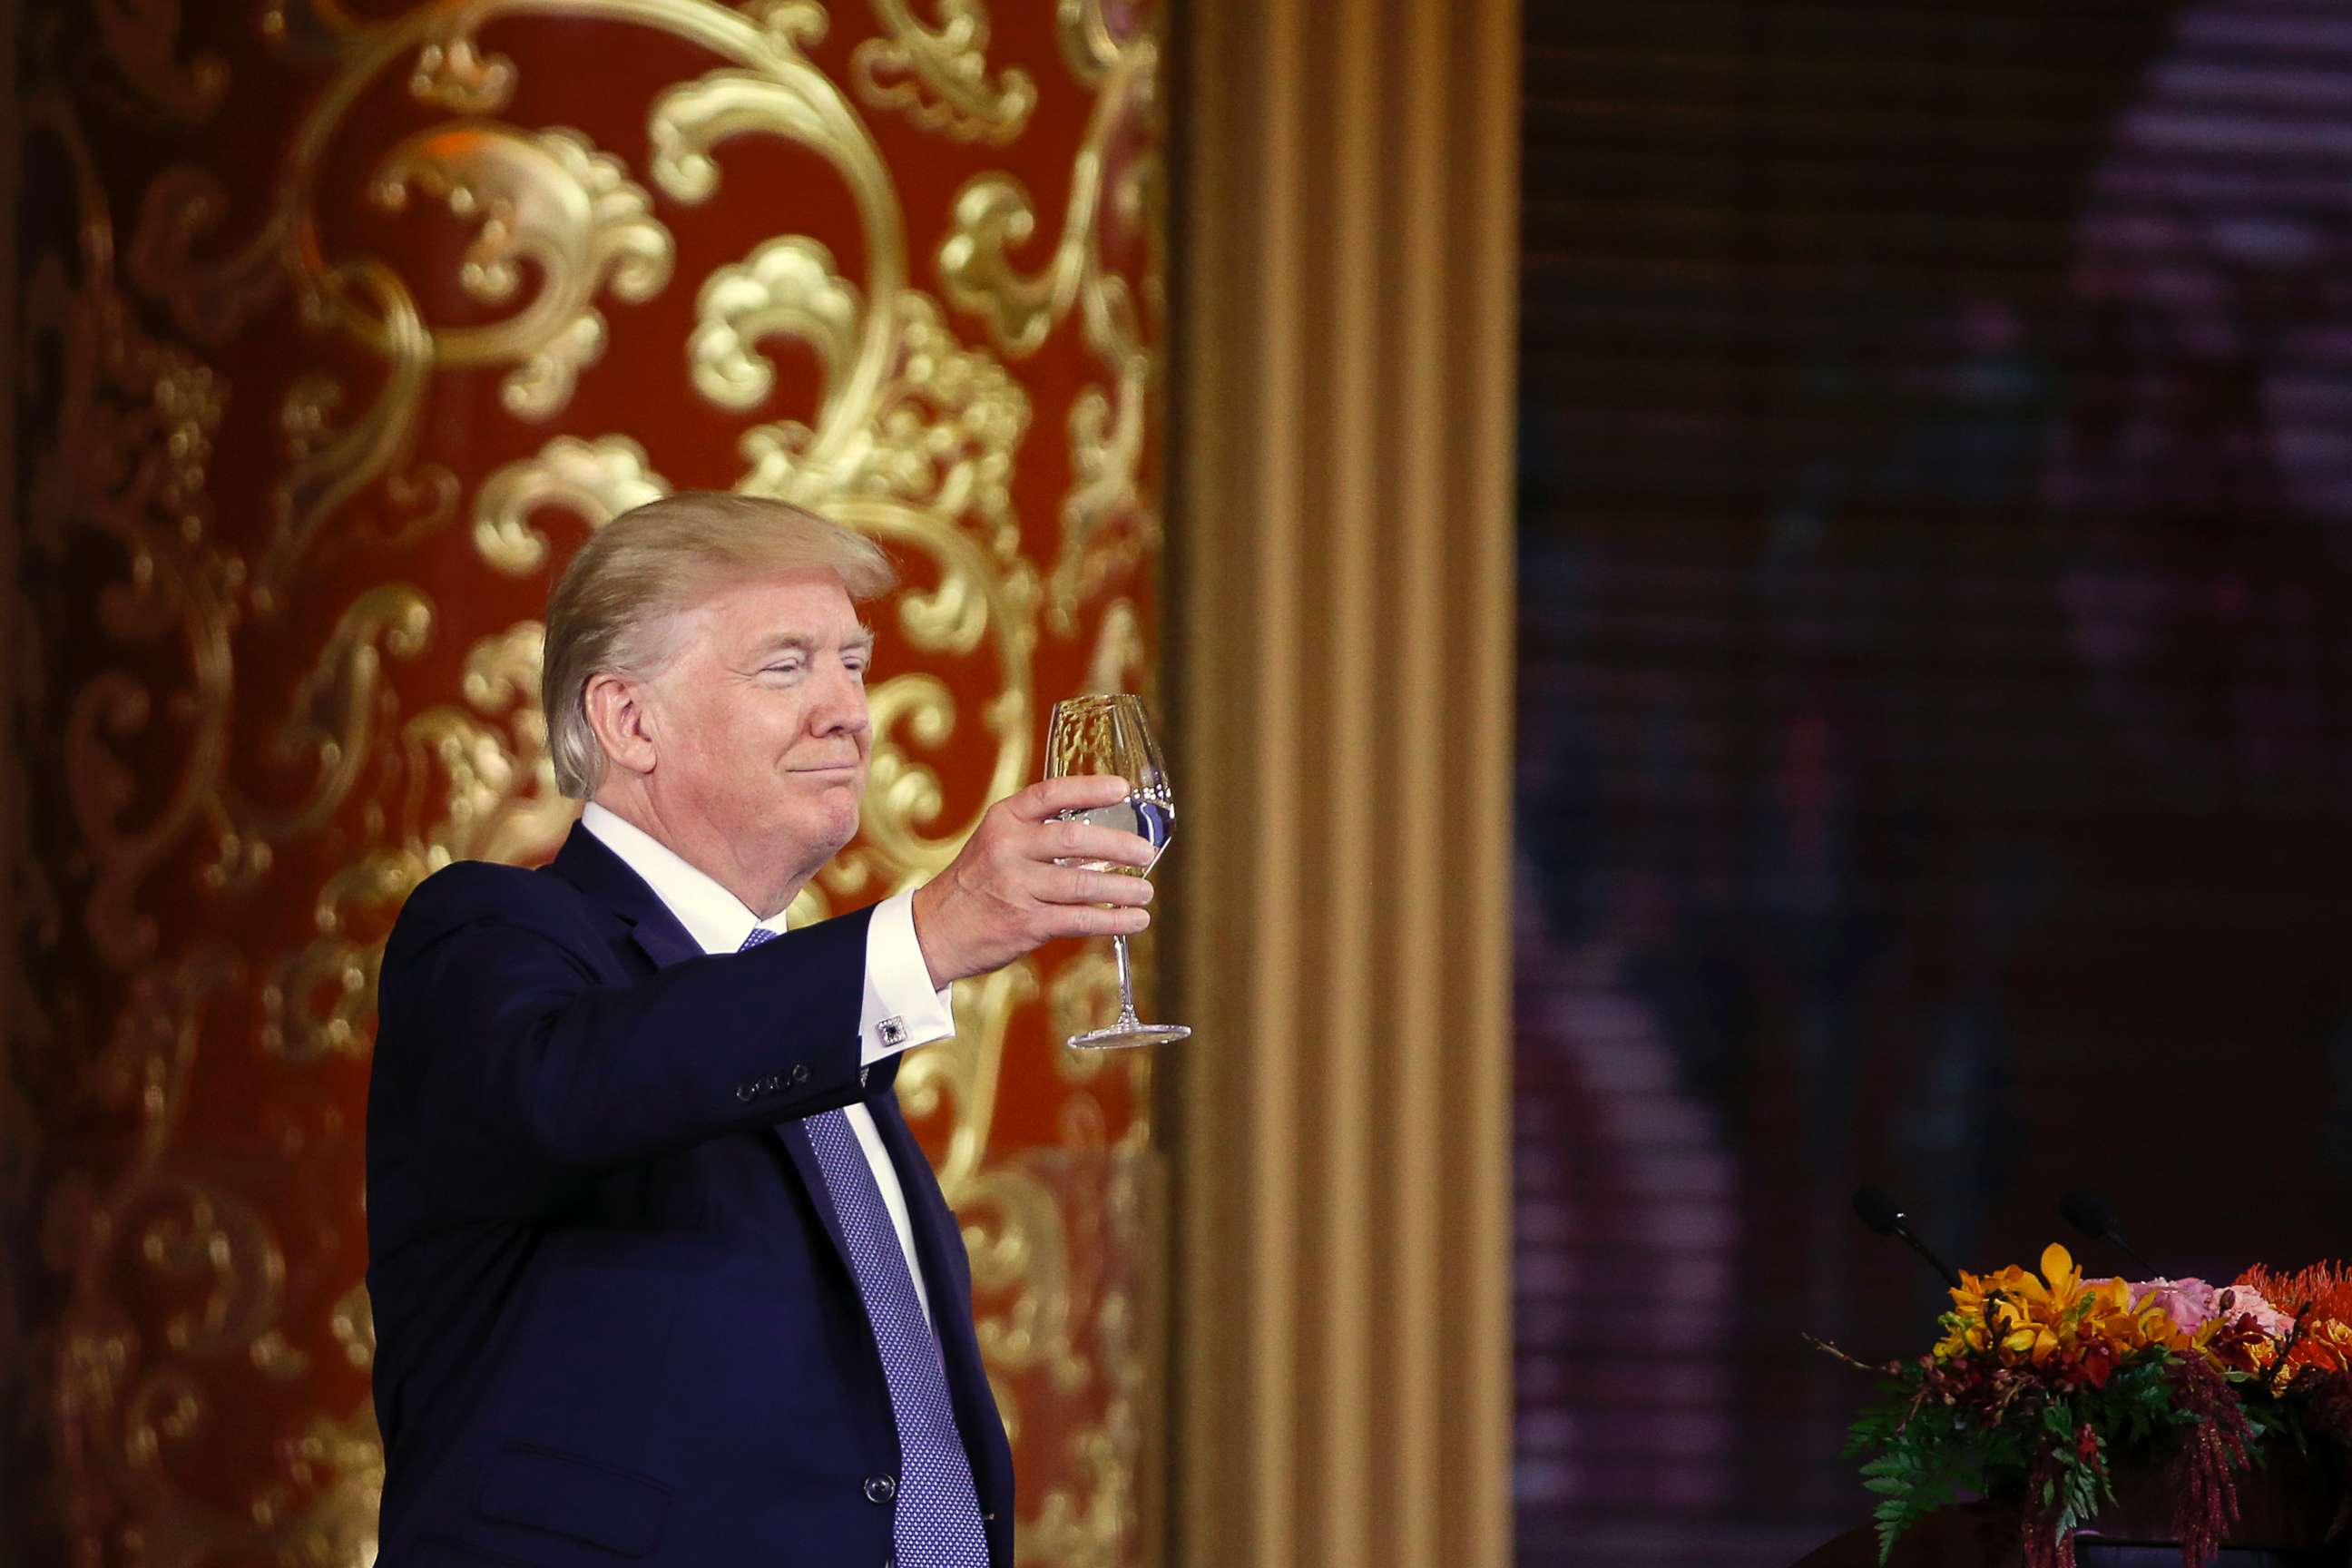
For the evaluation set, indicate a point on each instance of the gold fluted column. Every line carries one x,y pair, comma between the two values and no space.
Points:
1341,576
18,1133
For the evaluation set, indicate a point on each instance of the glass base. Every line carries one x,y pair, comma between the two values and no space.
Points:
1123,1035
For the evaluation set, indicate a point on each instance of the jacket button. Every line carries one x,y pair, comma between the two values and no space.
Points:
800,1072
880,1489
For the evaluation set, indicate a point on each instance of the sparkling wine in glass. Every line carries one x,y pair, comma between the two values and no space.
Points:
1109,734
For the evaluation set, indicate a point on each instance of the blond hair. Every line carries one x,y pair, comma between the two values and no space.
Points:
618,604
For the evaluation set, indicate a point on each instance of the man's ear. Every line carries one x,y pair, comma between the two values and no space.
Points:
620,713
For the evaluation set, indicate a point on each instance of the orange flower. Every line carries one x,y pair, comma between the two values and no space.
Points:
2016,1316
1985,1310
2324,1289
2321,1298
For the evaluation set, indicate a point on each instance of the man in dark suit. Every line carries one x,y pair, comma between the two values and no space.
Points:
659,1273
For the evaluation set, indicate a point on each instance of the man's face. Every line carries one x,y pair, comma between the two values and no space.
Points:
760,723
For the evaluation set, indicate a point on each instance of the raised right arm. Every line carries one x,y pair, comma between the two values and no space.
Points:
506,1065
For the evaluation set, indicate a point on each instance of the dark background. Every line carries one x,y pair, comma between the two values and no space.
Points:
1936,747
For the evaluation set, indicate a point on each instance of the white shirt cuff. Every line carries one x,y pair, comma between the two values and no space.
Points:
901,1008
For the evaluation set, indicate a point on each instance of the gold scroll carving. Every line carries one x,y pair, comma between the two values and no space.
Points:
253,729
938,75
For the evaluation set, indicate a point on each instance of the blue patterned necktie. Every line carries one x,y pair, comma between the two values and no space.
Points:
936,1523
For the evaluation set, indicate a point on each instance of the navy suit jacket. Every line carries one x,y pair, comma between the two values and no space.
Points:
615,1320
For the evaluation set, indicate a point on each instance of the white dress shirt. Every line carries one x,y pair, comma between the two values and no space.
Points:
901,1010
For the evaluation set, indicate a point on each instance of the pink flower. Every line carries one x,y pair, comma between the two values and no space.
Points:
2247,1302
2187,1302
2193,1303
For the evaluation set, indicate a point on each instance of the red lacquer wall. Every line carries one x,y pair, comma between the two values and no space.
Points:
339,327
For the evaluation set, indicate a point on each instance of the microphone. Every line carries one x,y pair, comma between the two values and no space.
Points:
2089,1214
1882,1214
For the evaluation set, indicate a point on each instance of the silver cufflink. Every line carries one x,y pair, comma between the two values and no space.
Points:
892,1030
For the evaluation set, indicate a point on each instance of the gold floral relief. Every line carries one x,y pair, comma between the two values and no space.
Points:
1089,48
135,1412
475,784
142,40
326,732
939,76
786,287
249,727
549,198
1107,522
595,481
329,467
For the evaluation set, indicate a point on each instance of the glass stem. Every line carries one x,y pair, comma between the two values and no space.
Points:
1126,1018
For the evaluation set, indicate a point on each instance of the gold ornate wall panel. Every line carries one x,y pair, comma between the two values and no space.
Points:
340,322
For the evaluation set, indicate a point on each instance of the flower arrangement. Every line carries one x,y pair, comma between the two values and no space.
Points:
2042,1383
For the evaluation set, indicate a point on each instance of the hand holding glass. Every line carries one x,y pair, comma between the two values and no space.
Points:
1109,734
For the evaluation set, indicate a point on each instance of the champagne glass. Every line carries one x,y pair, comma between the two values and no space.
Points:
1108,734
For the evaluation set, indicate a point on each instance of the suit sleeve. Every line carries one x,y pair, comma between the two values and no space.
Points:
516,1069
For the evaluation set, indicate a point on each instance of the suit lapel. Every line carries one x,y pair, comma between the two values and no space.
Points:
793,1136
589,864
661,938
